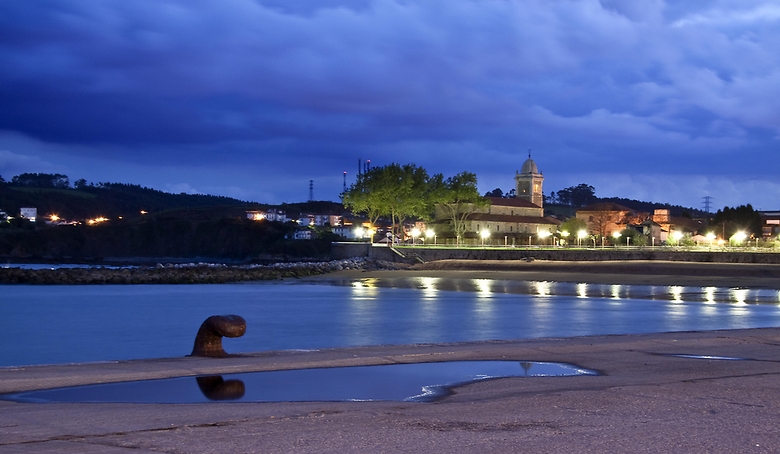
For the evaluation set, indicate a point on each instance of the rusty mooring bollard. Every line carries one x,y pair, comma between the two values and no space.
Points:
208,342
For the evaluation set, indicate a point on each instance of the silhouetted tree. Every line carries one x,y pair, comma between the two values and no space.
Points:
577,196
730,220
41,180
495,193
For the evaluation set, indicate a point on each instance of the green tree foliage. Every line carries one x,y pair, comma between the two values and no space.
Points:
637,239
728,221
367,195
577,196
458,197
41,180
573,225
401,192
396,191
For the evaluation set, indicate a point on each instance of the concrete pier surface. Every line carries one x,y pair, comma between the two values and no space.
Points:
644,401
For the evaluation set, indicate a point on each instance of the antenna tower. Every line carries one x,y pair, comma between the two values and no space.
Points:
311,190
345,181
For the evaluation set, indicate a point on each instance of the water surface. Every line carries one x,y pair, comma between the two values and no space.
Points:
62,324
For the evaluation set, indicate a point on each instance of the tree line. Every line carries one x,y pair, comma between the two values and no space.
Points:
400,192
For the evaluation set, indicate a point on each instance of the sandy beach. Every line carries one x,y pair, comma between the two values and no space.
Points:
644,400
634,272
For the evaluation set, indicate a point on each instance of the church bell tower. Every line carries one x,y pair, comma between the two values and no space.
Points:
529,182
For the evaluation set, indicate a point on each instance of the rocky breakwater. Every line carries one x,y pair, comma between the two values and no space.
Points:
189,273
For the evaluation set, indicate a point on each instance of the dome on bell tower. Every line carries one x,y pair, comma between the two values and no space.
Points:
529,166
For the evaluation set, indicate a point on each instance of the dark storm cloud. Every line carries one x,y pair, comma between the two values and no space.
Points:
594,86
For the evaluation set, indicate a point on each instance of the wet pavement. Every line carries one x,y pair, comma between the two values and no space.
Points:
670,392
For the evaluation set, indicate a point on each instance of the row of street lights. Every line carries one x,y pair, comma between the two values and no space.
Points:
738,238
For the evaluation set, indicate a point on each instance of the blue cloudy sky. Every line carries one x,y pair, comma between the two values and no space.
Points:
656,100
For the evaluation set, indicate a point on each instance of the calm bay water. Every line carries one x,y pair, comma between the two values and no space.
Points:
61,324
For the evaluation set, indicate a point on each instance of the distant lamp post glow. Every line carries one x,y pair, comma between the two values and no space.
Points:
710,236
565,235
616,235
370,234
677,235
543,235
54,218
430,234
484,235
580,235
739,237
359,232
415,233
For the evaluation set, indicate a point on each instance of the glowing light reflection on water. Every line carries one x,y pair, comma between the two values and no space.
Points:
55,324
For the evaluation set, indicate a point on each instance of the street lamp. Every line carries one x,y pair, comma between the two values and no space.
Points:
430,233
739,237
543,235
415,233
359,232
484,234
616,235
677,235
580,235
565,236
711,236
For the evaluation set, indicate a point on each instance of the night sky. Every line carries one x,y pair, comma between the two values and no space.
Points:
666,101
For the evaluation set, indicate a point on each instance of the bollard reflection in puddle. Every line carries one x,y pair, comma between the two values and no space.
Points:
214,387
418,382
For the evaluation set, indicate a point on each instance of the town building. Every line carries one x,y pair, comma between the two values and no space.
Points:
270,215
605,218
514,218
303,234
770,224
29,213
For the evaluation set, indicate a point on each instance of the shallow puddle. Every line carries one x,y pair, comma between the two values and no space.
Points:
422,382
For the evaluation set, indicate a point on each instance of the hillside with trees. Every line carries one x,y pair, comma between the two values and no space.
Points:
52,194
143,222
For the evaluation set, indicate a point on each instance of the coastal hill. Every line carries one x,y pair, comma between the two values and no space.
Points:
138,222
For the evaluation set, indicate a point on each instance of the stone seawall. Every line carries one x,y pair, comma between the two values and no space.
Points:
411,255
189,273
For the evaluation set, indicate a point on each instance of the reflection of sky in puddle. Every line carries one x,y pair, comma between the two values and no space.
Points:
403,382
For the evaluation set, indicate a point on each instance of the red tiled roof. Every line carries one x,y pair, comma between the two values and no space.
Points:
518,219
515,202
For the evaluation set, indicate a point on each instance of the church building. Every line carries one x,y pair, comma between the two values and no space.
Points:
519,220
